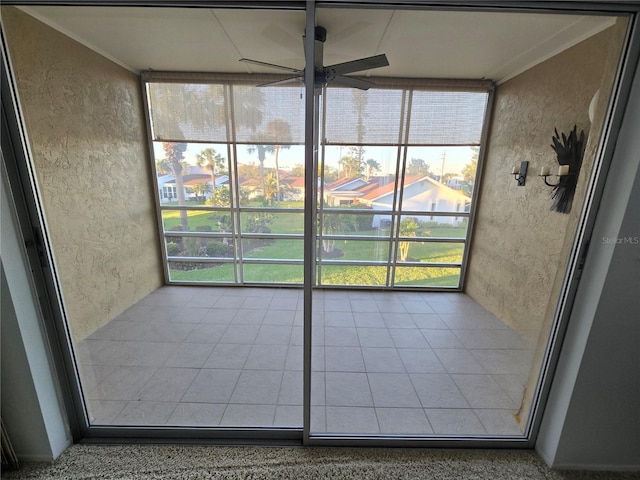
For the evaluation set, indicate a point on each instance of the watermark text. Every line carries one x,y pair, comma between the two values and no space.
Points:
631,240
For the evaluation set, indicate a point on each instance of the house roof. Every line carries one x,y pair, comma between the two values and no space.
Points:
196,170
193,179
162,179
248,181
379,190
343,183
378,187
189,180
295,182
337,183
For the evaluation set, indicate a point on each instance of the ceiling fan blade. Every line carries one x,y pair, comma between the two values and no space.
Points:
271,65
358,65
351,82
280,82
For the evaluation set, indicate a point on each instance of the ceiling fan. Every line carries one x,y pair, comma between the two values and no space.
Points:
333,73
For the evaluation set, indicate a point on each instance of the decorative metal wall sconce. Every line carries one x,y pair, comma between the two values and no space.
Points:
520,173
569,153
546,172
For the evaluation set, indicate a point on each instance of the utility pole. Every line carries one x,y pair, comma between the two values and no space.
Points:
444,157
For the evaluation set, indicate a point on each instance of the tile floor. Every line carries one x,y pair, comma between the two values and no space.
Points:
393,363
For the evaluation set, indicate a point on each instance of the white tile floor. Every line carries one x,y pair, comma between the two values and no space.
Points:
395,363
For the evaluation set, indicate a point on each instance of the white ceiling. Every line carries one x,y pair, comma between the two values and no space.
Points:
431,44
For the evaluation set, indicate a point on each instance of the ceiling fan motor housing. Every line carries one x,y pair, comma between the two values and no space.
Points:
330,74
320,34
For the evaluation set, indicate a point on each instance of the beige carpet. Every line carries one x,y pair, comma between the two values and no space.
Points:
212,462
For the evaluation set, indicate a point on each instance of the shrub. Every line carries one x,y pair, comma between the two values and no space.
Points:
203,228
361,222
221,222
257,222
217,249
173,249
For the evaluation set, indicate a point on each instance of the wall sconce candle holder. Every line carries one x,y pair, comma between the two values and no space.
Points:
562,171
520,173
569,153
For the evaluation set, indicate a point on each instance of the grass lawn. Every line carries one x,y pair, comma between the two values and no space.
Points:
282,222
331,275
253,273
292,223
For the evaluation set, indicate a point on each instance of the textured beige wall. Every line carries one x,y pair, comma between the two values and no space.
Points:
520,248
519,244
85,123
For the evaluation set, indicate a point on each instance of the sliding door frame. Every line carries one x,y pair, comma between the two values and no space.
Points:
19,169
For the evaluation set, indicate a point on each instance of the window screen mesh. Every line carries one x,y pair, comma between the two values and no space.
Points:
191,112
446,118
364,117
213,113
375,117
269,114
227,112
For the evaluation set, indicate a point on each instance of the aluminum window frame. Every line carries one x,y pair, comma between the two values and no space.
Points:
407,87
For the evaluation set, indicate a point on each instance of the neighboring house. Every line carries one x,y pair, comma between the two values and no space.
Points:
251,186
459,183
346,191
167,185
420,194
296,187
292,187
190,182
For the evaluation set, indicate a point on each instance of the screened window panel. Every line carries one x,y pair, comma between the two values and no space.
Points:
188,112
446,118
360,249
269,115
371,117
194,112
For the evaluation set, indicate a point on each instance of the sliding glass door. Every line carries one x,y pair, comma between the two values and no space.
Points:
269,248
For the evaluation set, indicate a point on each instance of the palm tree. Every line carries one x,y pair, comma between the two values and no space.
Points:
408,228
175,155
262,152
211,160
280,132
335,224
352,164
163,167
214,100
372,167
201,189
271,187
331,223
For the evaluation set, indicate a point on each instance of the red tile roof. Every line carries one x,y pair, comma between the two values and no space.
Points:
197,178
296,182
